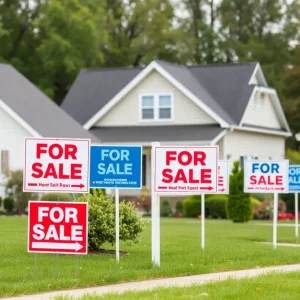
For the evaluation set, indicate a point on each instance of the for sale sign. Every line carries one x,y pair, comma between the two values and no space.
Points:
56,165
223,177
266,176
185,170
58,227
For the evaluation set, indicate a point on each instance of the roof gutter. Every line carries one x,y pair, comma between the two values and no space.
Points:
257,130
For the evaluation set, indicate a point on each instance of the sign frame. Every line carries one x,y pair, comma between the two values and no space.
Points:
79,190
99,186
183,192
298,185
86,204
285,190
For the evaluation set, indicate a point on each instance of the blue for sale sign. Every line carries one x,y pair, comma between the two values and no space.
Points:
294,178
116,167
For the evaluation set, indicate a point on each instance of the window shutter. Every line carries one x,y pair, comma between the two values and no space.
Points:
4,161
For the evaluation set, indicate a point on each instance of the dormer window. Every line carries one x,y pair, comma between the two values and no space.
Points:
156,107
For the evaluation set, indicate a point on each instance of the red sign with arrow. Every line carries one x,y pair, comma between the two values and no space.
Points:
185,170
57,165
58,227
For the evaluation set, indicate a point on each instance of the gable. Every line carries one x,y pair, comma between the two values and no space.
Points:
127,111
32,108
261,111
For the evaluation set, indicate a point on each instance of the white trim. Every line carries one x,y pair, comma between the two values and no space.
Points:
278,107
175,143
135,81
218,137
258,130
18,119
258,70
156,107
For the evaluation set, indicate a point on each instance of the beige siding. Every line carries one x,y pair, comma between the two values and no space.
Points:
127,111
265,146
221,148
265,115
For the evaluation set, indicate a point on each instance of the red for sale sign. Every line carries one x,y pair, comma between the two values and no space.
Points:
56,165
58,227
186,170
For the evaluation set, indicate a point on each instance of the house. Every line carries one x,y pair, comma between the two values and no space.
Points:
26,112
227,105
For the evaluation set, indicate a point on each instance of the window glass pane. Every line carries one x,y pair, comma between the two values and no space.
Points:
147,113
164,100
165,113
147,101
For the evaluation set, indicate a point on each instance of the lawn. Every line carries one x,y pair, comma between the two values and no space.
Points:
266,287
228,247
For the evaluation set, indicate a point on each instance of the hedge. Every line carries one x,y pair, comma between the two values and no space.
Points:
215,205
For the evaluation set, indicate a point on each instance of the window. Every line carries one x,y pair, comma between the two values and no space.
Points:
157,107
4,161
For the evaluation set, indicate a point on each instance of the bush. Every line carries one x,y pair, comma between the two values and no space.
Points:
239,205
265,209
192,206
9,204
14,190
56,196
165,208
215,206
102,220
179,206
0,201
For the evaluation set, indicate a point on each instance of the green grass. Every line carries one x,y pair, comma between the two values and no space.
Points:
228,247
266,287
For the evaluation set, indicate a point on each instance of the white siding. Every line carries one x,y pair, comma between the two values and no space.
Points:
265,115
265,146
127,111
12,139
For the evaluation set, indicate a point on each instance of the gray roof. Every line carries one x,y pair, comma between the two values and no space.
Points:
223,88
36,109
171,133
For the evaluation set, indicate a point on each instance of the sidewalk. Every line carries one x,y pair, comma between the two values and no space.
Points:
166,282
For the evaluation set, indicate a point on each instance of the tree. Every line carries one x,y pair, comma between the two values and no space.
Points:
239,207
138,31
71,38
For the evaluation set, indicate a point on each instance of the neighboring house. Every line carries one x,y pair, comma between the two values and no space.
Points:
26,112
226,105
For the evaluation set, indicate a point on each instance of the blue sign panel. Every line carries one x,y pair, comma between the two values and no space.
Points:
294,178
116,167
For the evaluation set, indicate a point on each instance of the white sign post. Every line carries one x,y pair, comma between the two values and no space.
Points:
56,165
267,177
180,171
223,188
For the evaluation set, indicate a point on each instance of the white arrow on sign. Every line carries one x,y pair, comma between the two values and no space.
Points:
60,246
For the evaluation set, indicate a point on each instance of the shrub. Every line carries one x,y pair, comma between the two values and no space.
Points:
179,206
102,220
56,197
265,209
8,204
165,208
0,201
14,190
239,205
215,206
192,206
